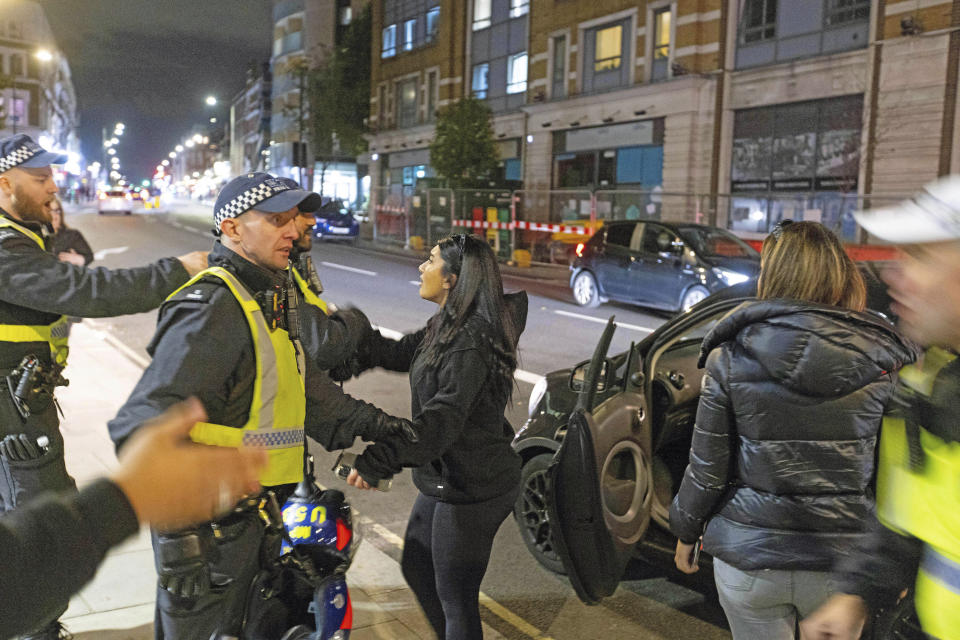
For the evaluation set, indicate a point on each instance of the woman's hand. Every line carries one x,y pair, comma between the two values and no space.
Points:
683,557
72,257
355,480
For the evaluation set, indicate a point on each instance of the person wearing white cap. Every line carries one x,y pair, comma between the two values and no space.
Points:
915,539
37,294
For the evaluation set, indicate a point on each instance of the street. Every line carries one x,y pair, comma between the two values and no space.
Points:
521,599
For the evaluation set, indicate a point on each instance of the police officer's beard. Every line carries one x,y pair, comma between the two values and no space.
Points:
28,209
303,244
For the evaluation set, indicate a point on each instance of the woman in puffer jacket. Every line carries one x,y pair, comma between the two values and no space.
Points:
781,469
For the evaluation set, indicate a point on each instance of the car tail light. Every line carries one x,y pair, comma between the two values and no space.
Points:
580,247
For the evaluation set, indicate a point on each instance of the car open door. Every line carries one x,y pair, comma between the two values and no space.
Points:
600,491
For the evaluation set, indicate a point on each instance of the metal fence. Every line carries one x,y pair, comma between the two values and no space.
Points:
549,224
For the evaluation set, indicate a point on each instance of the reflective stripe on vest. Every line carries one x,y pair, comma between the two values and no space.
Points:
278,406
925,502
307,292
54,334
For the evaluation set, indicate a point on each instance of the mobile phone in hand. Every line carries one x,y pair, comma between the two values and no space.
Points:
695,556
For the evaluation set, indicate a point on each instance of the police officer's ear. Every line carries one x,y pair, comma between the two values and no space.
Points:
450,281
6,185
229,228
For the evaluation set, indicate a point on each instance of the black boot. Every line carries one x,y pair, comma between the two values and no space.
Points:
51,631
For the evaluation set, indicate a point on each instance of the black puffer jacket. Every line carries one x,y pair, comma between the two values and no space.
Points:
782,461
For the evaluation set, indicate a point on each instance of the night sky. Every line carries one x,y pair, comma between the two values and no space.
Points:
151,63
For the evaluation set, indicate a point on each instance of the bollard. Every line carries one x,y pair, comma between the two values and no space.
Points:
521,257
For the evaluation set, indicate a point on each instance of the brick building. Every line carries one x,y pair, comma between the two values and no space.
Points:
756,109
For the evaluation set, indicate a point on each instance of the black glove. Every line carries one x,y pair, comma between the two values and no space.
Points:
386,426
19,447
357,323
183,562
346,370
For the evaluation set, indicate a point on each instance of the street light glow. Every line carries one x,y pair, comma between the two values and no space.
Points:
111,151
165,163
211,101
189,143
43,55
178,148
197,138
172,154
114,141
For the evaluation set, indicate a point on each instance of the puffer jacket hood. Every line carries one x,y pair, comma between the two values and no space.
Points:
815,350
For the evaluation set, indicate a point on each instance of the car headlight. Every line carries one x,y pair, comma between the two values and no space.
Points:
729,277
536,395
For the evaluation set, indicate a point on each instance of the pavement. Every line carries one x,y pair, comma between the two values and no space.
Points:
118,604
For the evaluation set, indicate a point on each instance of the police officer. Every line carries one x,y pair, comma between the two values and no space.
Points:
230,337
37,293
915,540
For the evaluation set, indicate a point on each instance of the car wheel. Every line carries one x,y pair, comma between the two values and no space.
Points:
585,290
530,512
692,296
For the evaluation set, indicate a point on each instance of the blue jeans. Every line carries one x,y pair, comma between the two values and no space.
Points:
764,604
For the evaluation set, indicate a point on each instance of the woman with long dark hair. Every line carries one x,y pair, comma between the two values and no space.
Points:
461,377
780,480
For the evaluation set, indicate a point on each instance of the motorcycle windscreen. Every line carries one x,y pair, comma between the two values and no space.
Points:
599,501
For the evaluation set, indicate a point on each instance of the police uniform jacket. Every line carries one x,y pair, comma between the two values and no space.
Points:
36,288
202,347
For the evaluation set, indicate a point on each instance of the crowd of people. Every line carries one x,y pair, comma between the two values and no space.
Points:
823,468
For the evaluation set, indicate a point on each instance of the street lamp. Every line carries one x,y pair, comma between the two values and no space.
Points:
211,101
172,154
178,148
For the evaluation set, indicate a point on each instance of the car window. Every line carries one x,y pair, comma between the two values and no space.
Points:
620,235
657,239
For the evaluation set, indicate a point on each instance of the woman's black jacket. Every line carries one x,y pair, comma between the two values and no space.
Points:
782,461
463,454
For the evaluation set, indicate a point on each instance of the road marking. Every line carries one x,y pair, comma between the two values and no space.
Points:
519,374
130,354
103,253
334,265
580,316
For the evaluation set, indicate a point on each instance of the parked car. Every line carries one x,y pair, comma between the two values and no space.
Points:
662,265
115,200
626,423
335,221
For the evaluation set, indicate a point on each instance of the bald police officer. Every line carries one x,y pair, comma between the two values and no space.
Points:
37,292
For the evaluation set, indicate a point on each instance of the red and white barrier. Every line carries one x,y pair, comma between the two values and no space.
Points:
523,224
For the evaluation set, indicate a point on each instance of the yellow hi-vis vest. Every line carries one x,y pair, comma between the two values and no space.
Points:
922,499
54,334
278,407
307,292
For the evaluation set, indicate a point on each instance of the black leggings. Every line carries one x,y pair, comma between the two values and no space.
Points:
445,555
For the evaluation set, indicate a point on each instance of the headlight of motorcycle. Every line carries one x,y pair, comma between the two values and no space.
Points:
539,390
729,277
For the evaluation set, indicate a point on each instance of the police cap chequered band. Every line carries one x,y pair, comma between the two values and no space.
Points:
779,227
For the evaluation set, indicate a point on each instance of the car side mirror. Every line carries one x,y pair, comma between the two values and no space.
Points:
579,375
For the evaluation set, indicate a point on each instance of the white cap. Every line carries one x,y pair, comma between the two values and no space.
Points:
932,215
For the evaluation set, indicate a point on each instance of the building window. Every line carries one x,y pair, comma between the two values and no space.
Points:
842,11
517,73
809,148
433,23
559,75
16,65
407,103
609,49
431,96
389,47
519,8
479,85
660,68
409,33
481,14
759,20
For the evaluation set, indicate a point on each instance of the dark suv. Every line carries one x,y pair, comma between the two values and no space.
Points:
606,445
659,264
